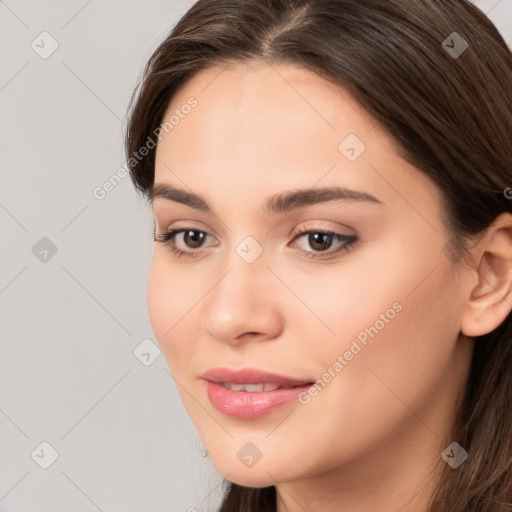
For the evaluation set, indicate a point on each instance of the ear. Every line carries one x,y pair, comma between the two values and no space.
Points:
490,300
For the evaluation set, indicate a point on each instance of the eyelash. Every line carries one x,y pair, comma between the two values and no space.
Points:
168,238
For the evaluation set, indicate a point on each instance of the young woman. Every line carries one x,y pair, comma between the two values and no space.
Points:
331,182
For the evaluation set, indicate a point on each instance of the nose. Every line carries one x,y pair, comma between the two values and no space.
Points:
244,305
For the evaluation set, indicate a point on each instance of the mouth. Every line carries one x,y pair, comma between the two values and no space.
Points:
251,393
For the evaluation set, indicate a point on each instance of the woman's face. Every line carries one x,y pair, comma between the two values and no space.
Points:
372,315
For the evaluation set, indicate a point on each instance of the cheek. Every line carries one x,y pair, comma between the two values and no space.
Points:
395,317
170,304
363,291
405,342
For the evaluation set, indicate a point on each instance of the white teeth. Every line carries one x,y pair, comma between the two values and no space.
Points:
251,388
271,387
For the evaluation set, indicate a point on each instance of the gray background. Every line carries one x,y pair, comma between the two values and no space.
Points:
71,320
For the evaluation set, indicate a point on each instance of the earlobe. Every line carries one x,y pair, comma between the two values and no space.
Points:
490,300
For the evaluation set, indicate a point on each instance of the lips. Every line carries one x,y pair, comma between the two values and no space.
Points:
250,393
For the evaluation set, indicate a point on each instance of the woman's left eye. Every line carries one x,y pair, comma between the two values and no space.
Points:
319,240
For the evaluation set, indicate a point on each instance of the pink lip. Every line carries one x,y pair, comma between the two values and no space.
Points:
250,405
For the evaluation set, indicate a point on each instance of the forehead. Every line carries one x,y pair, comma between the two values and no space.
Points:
269,126
270,98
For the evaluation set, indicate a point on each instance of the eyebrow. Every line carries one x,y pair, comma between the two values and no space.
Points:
279,203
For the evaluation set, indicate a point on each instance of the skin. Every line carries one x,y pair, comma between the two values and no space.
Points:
372,437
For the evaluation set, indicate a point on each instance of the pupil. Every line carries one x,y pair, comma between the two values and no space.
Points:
196,240
318,238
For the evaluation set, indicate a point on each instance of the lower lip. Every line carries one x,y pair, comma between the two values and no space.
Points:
250,405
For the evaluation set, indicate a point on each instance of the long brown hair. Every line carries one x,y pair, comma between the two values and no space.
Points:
437,75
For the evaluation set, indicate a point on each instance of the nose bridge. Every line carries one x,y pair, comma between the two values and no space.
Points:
245,269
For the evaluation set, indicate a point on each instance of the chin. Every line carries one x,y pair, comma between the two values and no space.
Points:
263,473
255,480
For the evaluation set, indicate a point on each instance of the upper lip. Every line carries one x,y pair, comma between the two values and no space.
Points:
250,376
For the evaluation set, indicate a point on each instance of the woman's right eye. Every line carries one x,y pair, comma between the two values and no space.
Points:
191,238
